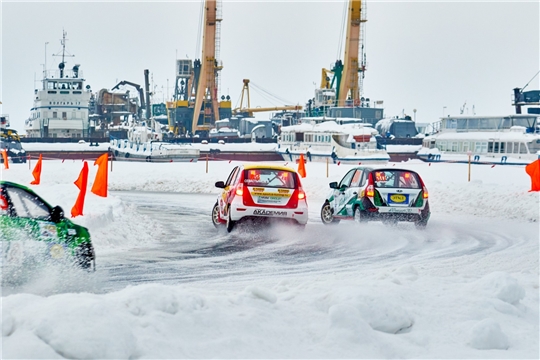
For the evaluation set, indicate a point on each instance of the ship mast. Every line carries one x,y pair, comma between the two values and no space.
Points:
62,65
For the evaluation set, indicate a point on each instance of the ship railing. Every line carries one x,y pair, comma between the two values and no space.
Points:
67,74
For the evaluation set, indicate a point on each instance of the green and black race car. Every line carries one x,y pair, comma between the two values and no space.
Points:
25,215
378,194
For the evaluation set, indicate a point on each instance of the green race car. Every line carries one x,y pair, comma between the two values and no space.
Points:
24,215
378,194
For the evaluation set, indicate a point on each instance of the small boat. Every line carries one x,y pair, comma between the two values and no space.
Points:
334,140
146,144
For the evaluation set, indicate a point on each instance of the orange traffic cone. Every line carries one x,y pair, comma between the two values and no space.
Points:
302,166
81,183
101,181
37,171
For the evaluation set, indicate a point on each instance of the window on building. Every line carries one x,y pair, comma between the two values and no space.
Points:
64,115
54,114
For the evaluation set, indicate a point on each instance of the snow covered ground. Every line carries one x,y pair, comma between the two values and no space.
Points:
482,304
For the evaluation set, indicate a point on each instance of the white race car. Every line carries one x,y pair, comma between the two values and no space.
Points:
260,192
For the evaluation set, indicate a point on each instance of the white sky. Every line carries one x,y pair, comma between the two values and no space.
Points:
421,55
465,288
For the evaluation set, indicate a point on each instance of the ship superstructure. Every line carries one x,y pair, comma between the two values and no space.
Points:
61,105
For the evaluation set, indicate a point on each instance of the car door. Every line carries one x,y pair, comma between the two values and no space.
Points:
346,193
226,192
31,215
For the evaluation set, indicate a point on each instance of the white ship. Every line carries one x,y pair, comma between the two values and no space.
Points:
511,139
61,105
325,139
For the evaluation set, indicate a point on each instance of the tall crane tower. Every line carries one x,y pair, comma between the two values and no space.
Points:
341,93
206,98
349,88
196,106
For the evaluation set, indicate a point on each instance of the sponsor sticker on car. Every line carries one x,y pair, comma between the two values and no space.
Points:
265,212
270,196
398,199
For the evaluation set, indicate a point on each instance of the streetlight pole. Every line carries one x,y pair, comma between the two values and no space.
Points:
443,109
414,111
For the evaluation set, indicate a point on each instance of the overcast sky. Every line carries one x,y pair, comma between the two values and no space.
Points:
430,56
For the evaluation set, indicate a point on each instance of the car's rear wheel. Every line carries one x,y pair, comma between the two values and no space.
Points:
216,220
327,215
424,217
230,223
359,215
421,224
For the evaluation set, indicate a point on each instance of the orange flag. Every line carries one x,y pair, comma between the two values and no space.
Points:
533,169
101,181
4,155
301,166
37,171
81,183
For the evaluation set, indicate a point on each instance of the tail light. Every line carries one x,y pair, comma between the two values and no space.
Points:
425,192
240,190
370,190
301,194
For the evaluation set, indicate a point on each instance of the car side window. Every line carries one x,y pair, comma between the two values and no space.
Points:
28,205
346,181
355,182
231,176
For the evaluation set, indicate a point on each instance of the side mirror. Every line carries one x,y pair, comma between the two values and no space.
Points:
333,185
57,214
220,184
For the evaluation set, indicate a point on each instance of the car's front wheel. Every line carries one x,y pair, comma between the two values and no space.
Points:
85,257
327,215
216,219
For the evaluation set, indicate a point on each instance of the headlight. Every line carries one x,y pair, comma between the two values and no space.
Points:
57,251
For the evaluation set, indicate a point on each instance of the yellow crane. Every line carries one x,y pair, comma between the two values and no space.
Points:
349,86
206,98
345,78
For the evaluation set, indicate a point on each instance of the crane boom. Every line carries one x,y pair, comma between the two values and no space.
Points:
206,94
349,85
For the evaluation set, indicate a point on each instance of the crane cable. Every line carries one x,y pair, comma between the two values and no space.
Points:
343,22
523,88
199,37
284,101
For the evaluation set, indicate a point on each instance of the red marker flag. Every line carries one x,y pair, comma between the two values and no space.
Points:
4,155
81,183
302,166
533,169
101,181
37,171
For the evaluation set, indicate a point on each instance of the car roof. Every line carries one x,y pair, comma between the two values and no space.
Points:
394,169
267,166
2,182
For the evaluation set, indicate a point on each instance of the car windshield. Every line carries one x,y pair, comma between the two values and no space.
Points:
396,179
270,178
